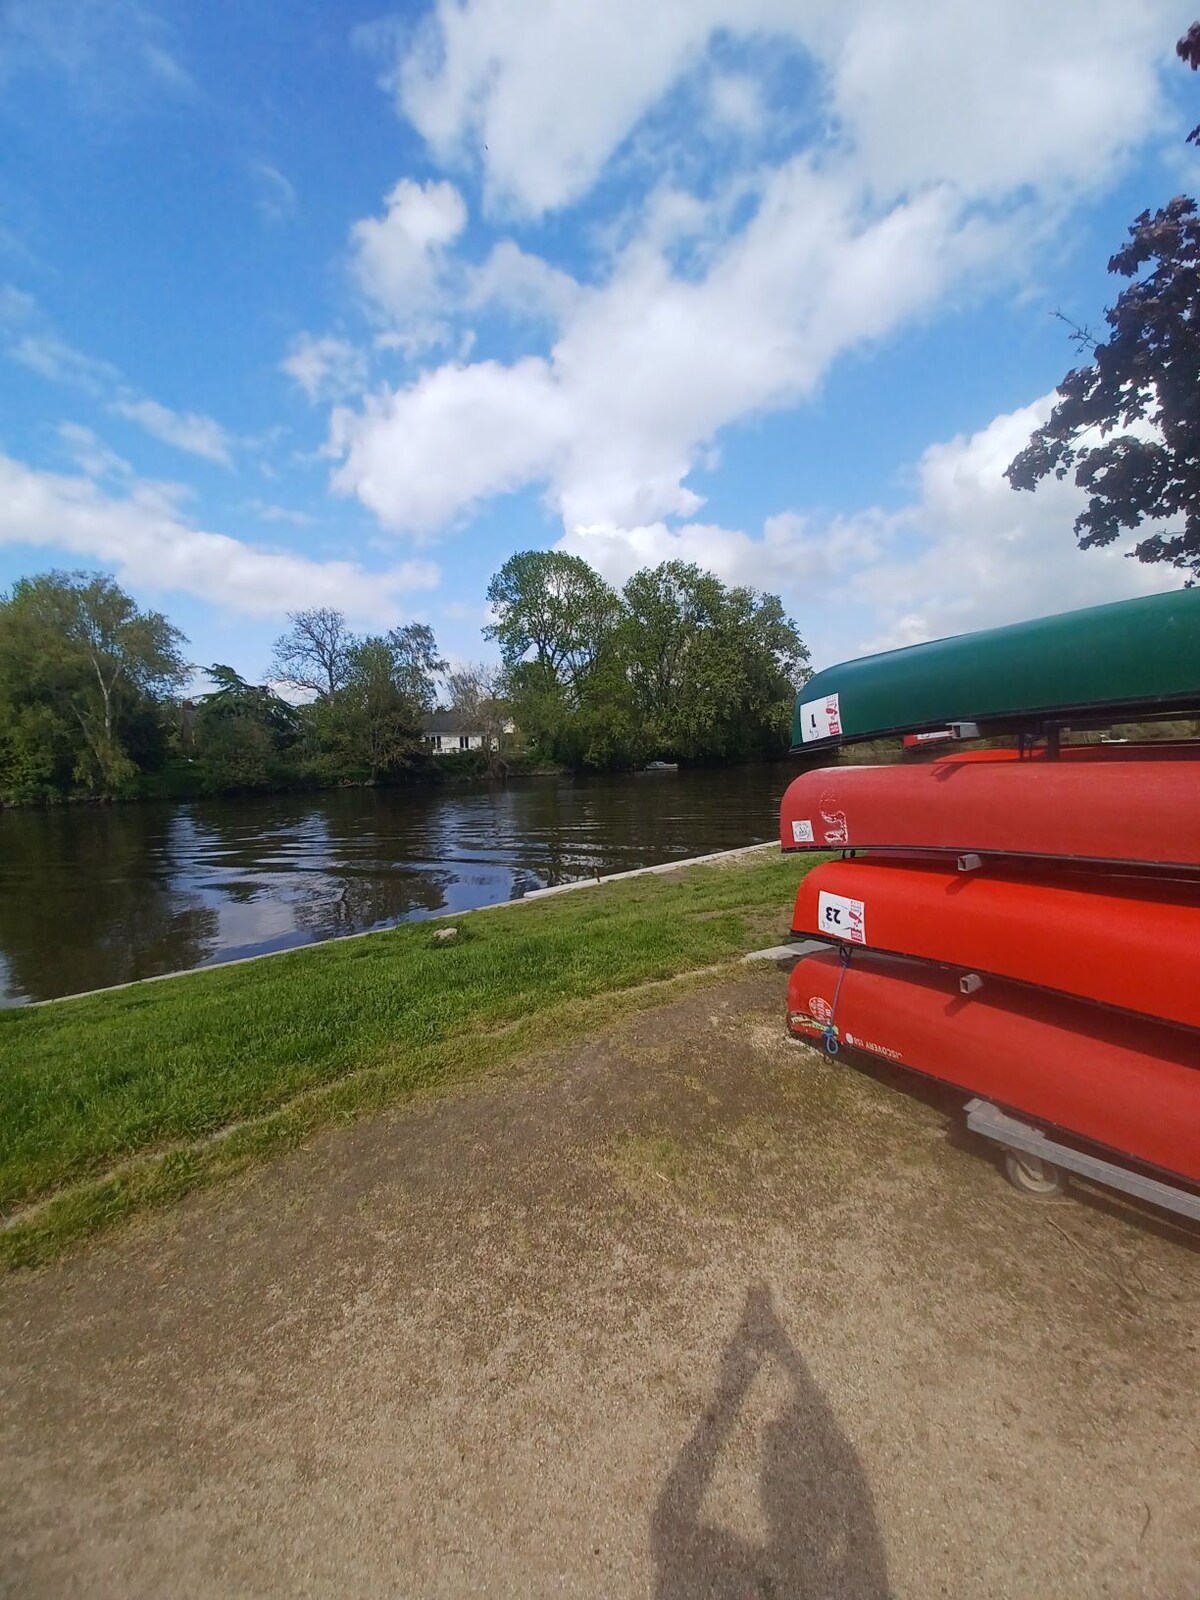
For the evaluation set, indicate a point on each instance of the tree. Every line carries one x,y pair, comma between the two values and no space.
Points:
374,722
75,646
314,653
554,612
241,729
415,663
713,668
557,624
235,699
479,694
1143,380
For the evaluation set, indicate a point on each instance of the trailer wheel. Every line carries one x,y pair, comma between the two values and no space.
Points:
1033,1176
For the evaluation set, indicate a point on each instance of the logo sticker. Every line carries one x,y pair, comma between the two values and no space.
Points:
837,829
820,1010
802,833
839,917
820,719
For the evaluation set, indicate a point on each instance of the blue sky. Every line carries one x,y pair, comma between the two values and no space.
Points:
305,304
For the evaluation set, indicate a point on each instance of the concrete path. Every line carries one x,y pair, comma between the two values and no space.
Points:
688,1311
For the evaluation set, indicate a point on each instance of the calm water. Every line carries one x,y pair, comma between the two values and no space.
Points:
94,896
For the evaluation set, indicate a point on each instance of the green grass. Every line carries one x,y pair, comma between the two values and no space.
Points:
116,1102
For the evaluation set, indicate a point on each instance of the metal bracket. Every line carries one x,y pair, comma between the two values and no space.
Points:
986,1119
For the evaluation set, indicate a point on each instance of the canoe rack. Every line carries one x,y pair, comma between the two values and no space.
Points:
1035,1163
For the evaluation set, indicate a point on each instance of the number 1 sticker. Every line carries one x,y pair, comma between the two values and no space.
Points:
839,917
821,719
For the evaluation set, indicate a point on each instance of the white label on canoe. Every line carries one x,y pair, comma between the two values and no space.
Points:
837,829
859,1043
802,833
839,917
820,719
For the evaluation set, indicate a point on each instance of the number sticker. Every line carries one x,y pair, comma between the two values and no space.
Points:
839,917
802,833
820,719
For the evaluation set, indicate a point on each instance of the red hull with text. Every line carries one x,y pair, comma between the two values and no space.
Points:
1121,941
1142,812
1121,1082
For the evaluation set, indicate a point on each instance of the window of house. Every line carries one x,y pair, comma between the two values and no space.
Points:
464,741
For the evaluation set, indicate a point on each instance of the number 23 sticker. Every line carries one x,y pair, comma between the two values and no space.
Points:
839,917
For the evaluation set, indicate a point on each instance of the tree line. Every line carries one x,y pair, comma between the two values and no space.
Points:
676,666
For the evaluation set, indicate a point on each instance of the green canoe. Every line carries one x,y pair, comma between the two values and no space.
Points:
1131,660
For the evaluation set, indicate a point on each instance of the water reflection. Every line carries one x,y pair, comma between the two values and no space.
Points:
95,896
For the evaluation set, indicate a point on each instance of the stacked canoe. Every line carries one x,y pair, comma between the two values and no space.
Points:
1021,923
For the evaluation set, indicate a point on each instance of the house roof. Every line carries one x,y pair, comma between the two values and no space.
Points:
451,722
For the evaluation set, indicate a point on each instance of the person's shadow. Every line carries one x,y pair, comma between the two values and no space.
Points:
822,1538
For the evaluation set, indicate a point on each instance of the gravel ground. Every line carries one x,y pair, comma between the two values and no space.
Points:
686,1311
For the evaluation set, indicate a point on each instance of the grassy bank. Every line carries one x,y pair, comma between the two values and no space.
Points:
116,1102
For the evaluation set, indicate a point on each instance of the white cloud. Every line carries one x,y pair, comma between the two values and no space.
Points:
188,431
523,285
541,94
968,552
15,304
422,455
737,101
90,454
974,553
143,536
999,93
106,52
797,556
988,96
325,368
396,257
650,366
266,512
51,357
924,184
42,351
276,197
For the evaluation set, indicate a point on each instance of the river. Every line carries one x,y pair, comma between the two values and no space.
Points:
97,895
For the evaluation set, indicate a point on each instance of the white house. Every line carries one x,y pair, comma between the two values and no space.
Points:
451,731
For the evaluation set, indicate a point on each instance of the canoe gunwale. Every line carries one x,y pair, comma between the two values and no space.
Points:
1039,720
949,852
846,953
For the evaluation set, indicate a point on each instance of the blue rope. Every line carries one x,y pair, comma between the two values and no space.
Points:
829,1035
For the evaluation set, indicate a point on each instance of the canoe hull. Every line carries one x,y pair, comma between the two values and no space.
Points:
1079,664
1127,942
1128,1085
1142,813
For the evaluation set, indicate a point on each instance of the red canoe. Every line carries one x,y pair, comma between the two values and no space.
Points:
1114,1080
1143,812
1121,941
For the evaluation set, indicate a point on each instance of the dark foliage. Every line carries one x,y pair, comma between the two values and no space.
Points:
1127,426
